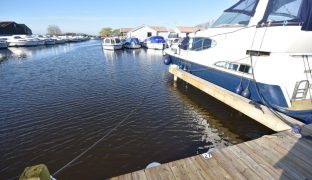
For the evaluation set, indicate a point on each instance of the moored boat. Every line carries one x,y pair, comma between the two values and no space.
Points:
155,42
132,43
258,49
3,43
21,40
111,43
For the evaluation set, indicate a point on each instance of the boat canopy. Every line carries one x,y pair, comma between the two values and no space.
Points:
157,39
237,15
133,40
289,12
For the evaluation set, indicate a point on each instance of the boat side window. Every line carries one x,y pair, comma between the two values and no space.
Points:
244,68
222,64
200,43
233,66
197,44
107,41
117,41
237,15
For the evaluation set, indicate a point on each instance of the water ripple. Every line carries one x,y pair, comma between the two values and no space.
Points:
57,101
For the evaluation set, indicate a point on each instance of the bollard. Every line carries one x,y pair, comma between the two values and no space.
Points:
37,172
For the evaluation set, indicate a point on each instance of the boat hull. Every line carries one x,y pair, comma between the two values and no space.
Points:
266,94
132,46
158,46
3,45
23,43
112,47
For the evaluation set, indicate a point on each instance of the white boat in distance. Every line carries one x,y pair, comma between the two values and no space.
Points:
3,43
155,42
259,49
112,43
20,40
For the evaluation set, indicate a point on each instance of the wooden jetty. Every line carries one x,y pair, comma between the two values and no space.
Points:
283,155
279,156
258,112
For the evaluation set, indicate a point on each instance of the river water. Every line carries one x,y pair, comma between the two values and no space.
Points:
57,101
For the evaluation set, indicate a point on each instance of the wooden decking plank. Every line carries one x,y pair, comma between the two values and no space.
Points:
179,170
296,147
197,168
228,164
305,142
308,129
207,168
239,165
139,175
161,172
275,173
289,154
249,161
274,158
215,167
125,177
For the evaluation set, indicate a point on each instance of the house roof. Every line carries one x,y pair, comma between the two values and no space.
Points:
5,23
125,30
184,29
159,28
156,28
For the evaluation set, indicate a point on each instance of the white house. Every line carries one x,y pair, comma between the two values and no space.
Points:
144,31
183,31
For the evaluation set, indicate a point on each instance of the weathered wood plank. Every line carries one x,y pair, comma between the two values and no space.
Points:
275,158
275,173
246,159
290,155
139,175
197,168
125,177
208,169
161,172
228,164
239,165
214,167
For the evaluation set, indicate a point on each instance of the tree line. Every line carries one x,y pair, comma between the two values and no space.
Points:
108,32
105,31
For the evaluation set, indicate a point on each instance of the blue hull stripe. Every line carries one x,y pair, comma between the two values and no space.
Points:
272,94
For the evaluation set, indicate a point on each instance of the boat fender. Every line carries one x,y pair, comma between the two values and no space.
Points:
167,60
239,89
153,164
296,130
185,68
246,93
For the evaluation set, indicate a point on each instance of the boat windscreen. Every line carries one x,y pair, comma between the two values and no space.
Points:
289,12
237,15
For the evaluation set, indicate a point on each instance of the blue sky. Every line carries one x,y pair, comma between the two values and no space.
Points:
90,16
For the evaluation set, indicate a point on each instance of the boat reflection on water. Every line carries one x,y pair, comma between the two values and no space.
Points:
5,54
21,52
111,55
133,52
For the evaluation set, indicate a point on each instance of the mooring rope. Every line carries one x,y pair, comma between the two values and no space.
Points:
105,135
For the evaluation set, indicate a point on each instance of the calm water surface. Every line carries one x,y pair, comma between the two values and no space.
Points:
56,101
